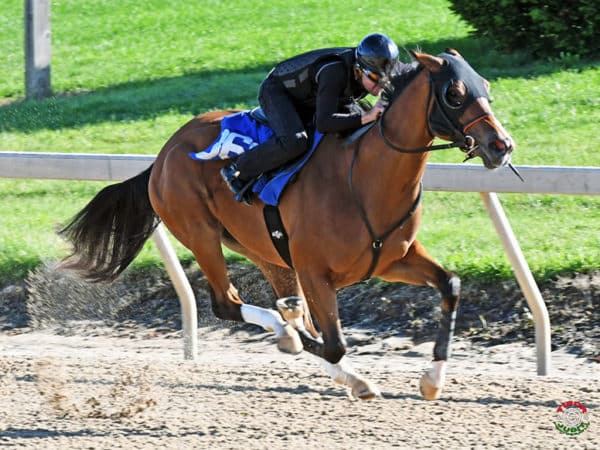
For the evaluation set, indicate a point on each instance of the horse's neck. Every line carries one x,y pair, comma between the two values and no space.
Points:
405,122
380,168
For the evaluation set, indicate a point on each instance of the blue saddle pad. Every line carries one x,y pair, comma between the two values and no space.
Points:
241,133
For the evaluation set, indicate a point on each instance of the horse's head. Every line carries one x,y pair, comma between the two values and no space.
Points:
460,110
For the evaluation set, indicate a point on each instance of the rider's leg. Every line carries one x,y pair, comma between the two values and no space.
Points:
288,142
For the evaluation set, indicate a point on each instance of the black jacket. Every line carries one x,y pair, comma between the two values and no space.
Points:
323,82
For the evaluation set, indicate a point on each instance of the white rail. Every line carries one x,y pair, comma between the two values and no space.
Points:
438,177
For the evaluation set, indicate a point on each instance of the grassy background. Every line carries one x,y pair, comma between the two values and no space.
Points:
127,74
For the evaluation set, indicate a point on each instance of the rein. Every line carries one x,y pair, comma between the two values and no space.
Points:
377,242
466,144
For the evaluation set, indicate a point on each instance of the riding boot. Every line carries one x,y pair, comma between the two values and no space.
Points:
240,187
265,157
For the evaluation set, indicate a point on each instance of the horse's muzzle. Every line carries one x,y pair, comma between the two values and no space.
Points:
497,152
503,145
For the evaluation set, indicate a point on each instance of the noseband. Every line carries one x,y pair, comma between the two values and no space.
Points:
465,142
443,117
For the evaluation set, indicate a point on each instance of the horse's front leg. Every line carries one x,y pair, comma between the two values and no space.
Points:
418,268
322,304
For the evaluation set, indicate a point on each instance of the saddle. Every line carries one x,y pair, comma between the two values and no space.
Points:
259,115
242,131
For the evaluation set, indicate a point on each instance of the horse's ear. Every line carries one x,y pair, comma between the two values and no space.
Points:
487,86
453,52
432,63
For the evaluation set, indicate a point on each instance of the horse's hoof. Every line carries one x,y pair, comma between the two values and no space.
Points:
290,341
428,390
365,390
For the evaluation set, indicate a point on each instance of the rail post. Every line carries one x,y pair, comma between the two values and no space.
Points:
525,279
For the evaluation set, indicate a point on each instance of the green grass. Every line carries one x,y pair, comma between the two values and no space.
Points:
127,74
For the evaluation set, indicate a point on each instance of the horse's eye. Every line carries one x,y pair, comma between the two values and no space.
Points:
455,94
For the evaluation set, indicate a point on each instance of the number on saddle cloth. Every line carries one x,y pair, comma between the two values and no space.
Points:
241,132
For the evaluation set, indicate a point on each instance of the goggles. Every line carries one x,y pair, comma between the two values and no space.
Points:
373,76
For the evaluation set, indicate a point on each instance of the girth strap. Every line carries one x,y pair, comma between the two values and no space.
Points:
277,233
377,242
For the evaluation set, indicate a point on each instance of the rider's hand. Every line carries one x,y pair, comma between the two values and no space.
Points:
373,113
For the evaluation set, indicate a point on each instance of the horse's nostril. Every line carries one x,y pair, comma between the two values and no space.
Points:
503,145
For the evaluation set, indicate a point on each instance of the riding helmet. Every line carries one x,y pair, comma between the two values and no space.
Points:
377,53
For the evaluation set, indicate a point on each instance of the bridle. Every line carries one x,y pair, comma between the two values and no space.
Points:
465,142
442,120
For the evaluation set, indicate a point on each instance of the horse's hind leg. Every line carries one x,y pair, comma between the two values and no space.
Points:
418,268
286,287
179,195
283,282
292,306
290,300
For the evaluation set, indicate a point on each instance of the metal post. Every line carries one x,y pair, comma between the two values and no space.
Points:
37,49
525,279
189,319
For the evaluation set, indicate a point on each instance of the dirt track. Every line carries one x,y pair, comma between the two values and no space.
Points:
68,382
102,391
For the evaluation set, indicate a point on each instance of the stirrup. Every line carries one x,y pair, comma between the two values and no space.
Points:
230,174
244,195
240,188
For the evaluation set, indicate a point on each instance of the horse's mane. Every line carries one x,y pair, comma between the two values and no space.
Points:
401,77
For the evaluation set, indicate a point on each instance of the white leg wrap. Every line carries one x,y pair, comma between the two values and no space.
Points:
341,372
437,373
269,319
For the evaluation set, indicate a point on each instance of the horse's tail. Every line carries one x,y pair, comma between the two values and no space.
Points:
109,232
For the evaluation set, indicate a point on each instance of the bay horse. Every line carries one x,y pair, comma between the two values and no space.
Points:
352,213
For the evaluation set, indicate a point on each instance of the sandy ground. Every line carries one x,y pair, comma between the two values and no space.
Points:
111,388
